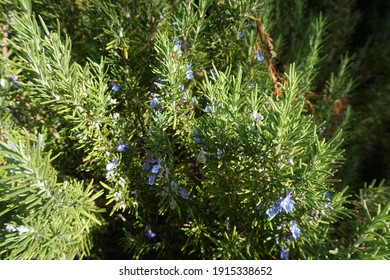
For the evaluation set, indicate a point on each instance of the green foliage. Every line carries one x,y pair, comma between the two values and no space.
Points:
204,129
370,225
43,218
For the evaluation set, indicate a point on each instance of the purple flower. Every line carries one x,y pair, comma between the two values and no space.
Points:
111,165
197,140
207,109
114,86
121,147
239,34
284,253
189,73
259,57
295,231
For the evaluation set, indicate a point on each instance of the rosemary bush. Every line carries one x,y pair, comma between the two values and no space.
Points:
183,130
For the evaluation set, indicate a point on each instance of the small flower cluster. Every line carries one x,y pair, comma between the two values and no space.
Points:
120,148
285,205
175,188
295,233
154,167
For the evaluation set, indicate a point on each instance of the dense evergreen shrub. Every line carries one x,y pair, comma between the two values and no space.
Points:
193,130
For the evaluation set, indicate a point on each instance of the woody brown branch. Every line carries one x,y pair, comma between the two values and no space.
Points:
271,69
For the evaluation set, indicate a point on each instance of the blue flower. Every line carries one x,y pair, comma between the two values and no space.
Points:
295,231
151,179
121,147
207,109
259,57
189,73
195,134
149,161
111,165
272,211
156,167
146,165
282,205
177,47
284,253
13,79
286,204
114,86
184,193
239,34
149,233
154,100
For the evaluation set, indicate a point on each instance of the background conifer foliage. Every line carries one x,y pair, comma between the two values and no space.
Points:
190,129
